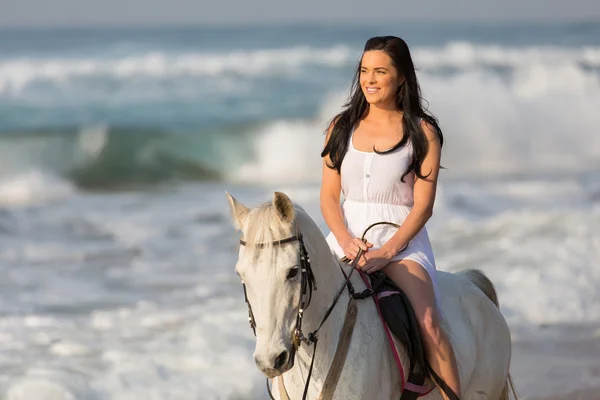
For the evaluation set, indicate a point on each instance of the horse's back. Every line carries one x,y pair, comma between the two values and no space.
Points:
479,334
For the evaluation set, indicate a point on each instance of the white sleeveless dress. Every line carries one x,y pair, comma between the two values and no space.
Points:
373,192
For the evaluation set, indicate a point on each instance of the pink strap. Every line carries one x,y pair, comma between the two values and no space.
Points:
389,335
416,388
387,293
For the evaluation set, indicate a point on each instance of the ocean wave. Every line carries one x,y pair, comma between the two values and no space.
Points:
116,158
461,54
541,261
101,158
17,74
542,119
32,187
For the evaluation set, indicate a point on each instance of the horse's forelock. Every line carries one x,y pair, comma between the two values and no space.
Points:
263,227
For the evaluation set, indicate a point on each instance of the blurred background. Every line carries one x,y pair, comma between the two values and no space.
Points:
122,124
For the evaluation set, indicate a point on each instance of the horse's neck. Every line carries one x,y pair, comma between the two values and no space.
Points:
367,344
329,280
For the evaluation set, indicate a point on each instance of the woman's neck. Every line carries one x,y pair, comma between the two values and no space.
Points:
387,113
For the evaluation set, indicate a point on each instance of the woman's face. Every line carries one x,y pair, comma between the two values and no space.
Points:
379,79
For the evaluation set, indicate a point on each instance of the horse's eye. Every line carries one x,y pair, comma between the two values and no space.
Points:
292,272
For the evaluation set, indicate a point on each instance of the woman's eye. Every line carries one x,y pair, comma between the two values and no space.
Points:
292,272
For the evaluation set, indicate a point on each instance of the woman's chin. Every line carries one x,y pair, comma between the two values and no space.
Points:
380,101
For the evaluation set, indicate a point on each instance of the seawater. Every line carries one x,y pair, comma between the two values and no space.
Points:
116,248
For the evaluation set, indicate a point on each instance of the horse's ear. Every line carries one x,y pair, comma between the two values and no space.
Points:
239,212
284,207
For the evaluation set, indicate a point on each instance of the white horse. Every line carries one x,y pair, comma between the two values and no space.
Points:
269,270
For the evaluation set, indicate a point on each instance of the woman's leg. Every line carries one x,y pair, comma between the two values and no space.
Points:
415,281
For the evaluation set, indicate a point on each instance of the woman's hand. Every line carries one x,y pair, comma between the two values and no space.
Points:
375,260
351,245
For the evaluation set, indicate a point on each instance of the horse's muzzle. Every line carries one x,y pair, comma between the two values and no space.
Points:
282,363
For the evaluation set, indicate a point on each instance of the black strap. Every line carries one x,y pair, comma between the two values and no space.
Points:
250,314
312,363
269,390
335,300
442,384
275,243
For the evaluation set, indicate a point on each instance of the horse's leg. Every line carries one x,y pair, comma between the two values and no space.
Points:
415,281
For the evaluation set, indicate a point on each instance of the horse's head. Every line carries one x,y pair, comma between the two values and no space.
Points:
272,278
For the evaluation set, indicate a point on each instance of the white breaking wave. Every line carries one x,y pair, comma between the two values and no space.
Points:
289,151
32,187
459,54
17,74
543,263
284,152
542,118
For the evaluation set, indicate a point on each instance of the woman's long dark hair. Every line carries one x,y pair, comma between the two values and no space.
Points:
408,100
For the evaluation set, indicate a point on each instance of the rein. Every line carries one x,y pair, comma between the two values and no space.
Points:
308,282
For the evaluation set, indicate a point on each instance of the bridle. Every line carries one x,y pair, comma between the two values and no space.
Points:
308,284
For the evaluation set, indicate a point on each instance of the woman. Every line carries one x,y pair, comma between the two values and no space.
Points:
383,152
